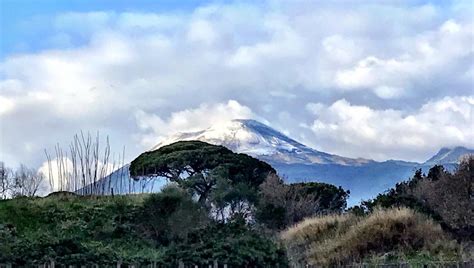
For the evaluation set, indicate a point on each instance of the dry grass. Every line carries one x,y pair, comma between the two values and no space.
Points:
343,239
300,238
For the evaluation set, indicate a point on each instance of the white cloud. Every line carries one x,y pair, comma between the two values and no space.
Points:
358,130
6,105
193,119
54,176
202,31
138,74
341,49
425,58
386,92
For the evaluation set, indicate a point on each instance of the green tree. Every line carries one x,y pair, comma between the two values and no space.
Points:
200,167
281,205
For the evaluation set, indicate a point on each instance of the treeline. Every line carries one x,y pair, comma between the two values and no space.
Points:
23,181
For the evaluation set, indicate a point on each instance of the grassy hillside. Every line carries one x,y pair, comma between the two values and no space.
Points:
395,234
132,229
69,228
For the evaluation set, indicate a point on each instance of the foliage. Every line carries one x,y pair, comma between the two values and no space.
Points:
342,239
72,229
233,243
445,196
170,215
133,229
218,177
282,205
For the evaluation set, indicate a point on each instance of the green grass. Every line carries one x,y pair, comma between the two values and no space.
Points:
94,225
133,229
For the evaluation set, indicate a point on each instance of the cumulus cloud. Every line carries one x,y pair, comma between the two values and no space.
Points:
136,75
5,105
427,57
351,129
193,119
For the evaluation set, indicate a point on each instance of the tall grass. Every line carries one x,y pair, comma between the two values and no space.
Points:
342,239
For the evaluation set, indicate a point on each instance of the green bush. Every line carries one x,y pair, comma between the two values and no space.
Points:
283,205
170,215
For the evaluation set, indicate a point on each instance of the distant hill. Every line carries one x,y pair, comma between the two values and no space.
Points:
449,156
297,162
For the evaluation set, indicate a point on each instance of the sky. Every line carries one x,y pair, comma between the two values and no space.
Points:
373,79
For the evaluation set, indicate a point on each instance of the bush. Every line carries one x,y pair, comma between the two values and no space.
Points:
343,239
282,205
299,238
233,243
446,197
170,215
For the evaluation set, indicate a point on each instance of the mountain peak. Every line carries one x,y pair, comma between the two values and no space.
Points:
448,155
259,140
240,135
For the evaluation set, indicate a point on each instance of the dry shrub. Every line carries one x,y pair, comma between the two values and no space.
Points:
334,240
450,195
301,237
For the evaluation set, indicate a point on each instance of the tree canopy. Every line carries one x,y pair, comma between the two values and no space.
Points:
200,167
282,205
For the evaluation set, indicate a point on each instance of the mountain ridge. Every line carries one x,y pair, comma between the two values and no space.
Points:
447,155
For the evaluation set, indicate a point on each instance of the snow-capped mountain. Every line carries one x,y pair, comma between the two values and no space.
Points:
296,162
449,156
257,139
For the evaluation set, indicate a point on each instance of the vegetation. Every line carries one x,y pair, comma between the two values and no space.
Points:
219,178
341,239
164,228
283,205
22,182
69,229
234,209
446,197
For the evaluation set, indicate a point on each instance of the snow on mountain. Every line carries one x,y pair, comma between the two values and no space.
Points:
257,139
296,162
449,155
